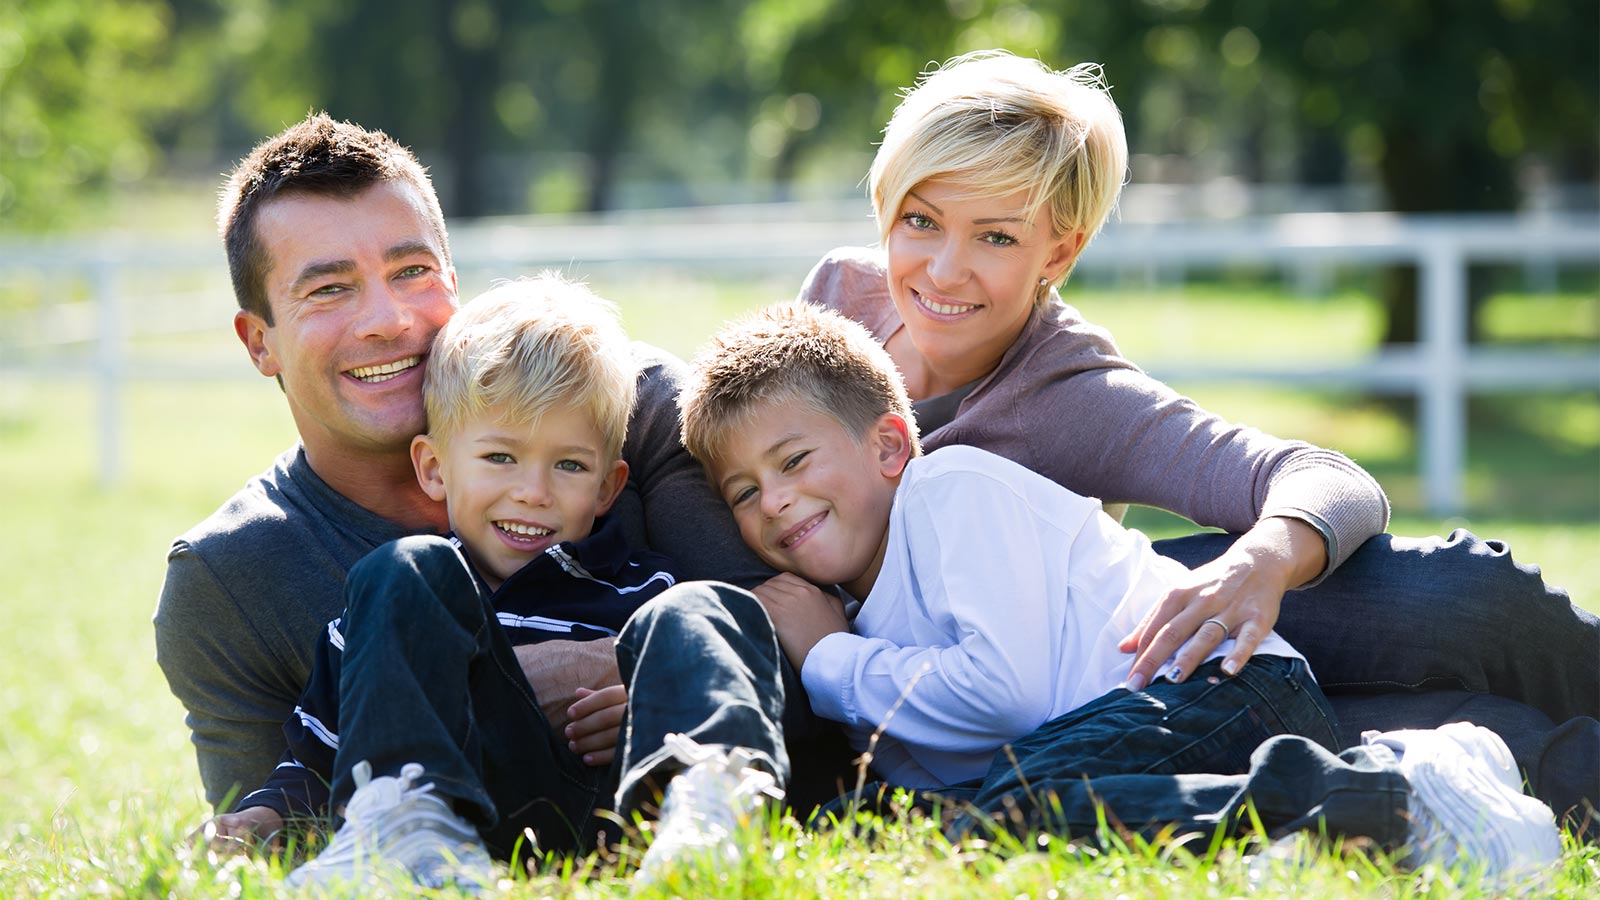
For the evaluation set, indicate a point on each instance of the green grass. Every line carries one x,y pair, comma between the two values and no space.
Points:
97,780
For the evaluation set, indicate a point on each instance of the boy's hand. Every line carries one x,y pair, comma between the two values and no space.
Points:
801,614
241,832
596,722
556,670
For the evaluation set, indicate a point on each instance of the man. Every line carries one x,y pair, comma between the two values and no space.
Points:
341,267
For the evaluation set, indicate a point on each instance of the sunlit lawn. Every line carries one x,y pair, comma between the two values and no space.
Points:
97,781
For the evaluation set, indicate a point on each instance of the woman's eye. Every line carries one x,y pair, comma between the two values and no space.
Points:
1000,239
917,220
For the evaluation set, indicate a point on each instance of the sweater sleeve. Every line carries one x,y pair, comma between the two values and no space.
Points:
668,492
984,680
213,664
1142,442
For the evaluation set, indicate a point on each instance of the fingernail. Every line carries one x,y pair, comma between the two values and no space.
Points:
1175,675
1230,667
573,746
1136,682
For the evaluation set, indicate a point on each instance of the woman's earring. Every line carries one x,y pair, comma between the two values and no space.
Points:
1044,288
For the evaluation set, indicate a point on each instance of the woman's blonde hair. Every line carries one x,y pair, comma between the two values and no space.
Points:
527,346
996,124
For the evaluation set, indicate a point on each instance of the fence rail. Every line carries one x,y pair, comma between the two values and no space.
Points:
1441,370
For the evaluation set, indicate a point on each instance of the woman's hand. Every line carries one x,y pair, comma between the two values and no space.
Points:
596,722
1237,595
243,831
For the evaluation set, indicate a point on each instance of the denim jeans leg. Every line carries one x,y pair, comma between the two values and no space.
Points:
1437,613
430,677
1210,724
701,659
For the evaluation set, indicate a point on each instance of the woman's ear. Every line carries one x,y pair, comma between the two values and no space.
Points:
1065,249
891,438
611,487
425,459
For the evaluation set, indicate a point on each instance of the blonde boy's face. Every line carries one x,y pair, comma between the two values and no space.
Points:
513,491
811,498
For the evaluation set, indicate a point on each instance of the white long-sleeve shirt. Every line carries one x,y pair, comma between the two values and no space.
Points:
999,607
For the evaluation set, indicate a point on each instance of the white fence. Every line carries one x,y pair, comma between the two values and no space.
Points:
1440,370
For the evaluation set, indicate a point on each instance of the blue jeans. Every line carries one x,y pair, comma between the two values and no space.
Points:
700,659
1411,614
1416,632
429,676
1123,750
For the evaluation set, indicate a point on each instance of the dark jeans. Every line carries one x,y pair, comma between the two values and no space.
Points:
1458,613
1416,632
1123,750
700,659
429,676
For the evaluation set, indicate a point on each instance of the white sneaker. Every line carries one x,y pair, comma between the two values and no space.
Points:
1479,742
705,807
393,827
1466,805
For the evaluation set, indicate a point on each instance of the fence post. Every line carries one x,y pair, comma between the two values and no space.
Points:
108,369
1442,393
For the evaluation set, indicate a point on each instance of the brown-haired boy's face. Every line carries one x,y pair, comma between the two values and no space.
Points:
358,287
809,497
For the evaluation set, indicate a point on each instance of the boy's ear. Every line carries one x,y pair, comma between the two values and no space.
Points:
611,486
252,332
425,459
891,439
1062,253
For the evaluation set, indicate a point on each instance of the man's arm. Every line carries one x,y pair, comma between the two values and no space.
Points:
557,669
206,650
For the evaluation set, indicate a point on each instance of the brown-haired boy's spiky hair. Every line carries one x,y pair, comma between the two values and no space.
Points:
316,155
790,353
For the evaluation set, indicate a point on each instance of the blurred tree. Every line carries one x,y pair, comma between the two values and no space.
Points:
83,83
1444,103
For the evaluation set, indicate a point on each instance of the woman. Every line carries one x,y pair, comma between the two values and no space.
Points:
993,176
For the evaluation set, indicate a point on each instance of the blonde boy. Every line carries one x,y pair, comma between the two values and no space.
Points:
992,602
431,737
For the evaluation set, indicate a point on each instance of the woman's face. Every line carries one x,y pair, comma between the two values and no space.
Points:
964,272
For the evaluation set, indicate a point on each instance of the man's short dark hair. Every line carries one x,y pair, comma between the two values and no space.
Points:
317,155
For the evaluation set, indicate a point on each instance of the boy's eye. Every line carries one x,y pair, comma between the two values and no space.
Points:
741,496
795,460
571,465
499,458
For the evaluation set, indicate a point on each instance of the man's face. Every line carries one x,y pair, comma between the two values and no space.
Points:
358,287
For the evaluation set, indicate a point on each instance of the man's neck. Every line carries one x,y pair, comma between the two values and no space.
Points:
383,483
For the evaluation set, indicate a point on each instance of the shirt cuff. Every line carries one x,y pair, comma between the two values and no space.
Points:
827,676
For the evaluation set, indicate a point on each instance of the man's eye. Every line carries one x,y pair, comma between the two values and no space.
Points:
412,271
327,290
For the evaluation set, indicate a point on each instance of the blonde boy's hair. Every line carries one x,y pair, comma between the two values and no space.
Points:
528,346
790,353
997,124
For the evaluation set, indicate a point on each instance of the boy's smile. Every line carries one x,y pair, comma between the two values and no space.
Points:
808,496
515,490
